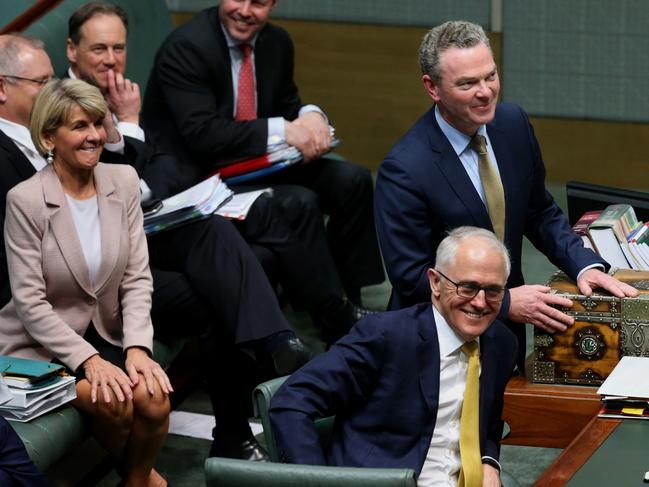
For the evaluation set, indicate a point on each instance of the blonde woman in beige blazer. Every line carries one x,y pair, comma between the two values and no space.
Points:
100,328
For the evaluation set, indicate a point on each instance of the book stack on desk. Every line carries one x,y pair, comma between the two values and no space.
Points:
617,236
625,393
31,388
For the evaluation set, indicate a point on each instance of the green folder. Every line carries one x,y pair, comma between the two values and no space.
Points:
21,372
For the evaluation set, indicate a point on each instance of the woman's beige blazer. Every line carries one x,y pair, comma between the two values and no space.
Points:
53,299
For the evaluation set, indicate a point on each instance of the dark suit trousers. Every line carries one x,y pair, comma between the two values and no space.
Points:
297,259
207,282
344,192
16,468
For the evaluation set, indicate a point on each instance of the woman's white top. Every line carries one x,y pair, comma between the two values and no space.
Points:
85,214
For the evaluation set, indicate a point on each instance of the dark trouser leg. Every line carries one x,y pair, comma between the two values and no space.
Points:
179,312
225,274
345,193
304,265
16,468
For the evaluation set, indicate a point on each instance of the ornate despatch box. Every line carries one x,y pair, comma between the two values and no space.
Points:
606,328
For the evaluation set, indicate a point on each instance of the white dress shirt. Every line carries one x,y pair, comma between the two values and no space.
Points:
442,465
85,214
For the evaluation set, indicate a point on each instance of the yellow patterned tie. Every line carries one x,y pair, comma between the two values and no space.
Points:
493,187
471,471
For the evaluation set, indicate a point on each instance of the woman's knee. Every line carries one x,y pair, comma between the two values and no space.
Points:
153,407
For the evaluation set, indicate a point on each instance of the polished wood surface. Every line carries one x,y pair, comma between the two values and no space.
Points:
547,415
29,16
578,452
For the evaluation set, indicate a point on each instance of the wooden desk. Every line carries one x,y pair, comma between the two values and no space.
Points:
608,452
547,415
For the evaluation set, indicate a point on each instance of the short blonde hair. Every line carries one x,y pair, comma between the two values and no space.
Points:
54,103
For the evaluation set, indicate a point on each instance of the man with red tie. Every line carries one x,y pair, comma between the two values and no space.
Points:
222,89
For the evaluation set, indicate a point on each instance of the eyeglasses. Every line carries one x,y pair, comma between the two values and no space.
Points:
470,290
42,81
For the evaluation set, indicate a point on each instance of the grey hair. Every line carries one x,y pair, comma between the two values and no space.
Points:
455,33
11,45
447,249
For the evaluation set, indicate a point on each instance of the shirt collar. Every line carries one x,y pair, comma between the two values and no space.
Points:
232,43
18,133
458,140
449,341
71,74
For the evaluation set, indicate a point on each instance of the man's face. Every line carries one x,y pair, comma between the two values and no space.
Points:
476,262
244,18
468,90
102,47
18,95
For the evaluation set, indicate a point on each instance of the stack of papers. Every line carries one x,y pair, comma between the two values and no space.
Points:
279,156
194,203
625,393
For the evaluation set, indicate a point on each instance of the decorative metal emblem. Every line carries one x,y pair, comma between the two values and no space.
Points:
634,335
642,284
589,344
543,340
544,372
591,377
589,304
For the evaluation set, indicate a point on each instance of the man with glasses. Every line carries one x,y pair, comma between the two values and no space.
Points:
402,384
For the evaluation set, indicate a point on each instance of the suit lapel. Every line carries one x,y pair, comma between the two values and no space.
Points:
428,358
222,72
63,228
17,159
110,216
263,66
458,180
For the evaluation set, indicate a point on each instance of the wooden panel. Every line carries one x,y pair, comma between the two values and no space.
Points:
547,415
578,452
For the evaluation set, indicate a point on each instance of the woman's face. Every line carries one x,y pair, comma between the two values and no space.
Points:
79,141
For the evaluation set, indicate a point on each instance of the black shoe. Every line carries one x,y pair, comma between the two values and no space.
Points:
358,312
249,449
290,356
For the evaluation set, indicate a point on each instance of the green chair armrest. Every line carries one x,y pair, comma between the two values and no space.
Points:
226,472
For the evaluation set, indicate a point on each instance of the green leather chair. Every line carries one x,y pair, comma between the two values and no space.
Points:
224,473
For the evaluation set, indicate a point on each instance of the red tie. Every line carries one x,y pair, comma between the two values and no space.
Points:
246,109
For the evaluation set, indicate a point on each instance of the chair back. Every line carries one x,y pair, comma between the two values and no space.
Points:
226,472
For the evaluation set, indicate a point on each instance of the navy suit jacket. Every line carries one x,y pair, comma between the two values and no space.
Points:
382,383
423,191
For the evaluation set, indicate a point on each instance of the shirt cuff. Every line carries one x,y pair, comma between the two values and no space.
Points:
592,266
491,461
312,108
145,191
131,130
117,147
276,131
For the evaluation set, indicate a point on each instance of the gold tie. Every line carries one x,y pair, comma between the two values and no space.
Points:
471,470
493,187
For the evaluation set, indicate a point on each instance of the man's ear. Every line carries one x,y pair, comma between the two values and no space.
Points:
431,87
434,281
3,90
71,51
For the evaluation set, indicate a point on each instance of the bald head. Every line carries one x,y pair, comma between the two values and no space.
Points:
23,65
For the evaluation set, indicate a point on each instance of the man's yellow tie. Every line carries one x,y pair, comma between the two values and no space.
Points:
471,471
493,187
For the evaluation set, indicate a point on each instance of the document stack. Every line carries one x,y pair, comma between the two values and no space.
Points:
617,236
192,204
625,393
279,156
30,388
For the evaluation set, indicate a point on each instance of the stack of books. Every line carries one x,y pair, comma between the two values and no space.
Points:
617,236
278,157
31,388
625,393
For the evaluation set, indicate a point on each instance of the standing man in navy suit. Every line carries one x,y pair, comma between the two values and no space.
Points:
431,182
399,382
